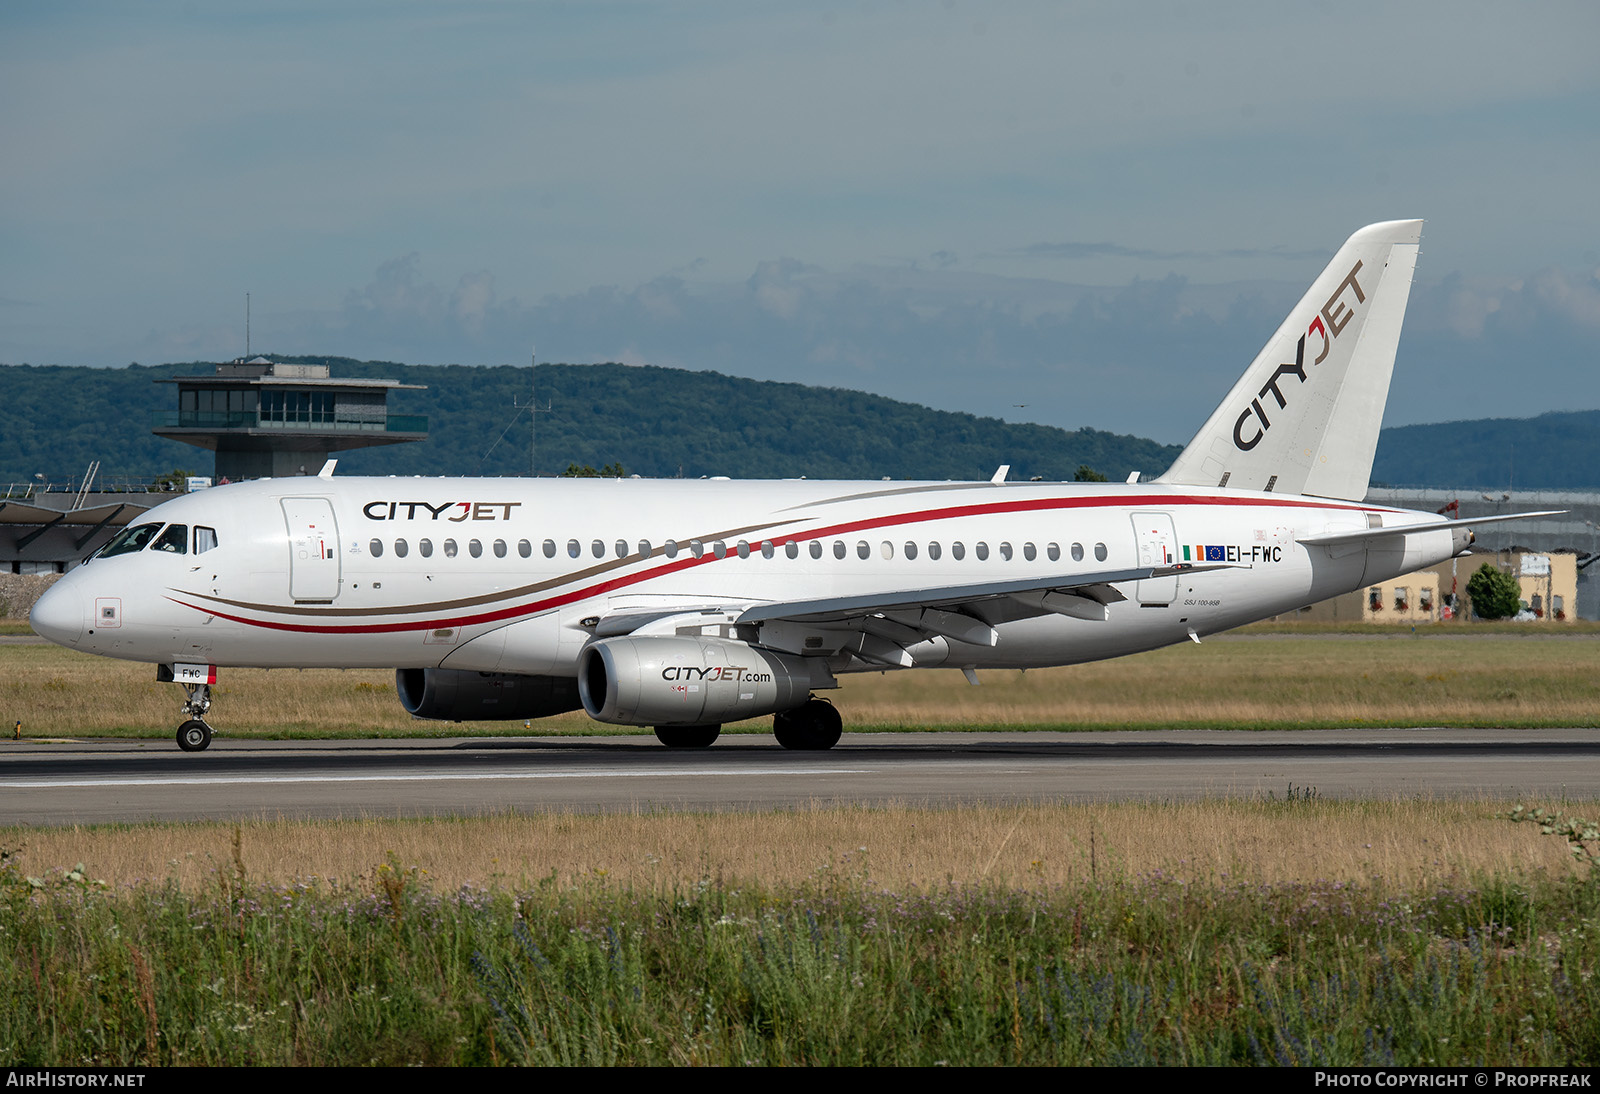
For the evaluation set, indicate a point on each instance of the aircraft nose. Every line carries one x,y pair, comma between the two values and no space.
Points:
58,614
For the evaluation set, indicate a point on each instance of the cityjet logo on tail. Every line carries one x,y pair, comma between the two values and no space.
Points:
468,510
1334,317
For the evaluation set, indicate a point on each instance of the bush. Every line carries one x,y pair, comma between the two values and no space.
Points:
1494,593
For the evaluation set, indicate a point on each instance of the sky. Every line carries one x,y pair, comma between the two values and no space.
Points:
1073,214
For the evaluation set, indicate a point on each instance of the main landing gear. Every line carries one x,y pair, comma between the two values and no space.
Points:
814,726
194,735
688,736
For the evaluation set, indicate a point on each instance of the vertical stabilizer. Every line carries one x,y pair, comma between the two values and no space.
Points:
1304,418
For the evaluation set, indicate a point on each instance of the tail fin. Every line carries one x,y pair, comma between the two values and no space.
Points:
1304,417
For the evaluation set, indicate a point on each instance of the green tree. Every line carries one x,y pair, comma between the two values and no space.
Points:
1494,593
609,471
174,481
1085,473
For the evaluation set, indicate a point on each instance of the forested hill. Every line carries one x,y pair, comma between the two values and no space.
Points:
1556,451
656,422
665,422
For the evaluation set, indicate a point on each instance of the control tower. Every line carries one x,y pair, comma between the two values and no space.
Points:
266,419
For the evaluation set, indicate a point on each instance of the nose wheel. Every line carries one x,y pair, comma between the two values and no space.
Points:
194,735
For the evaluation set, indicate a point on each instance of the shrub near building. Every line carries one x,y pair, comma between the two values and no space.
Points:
1494,593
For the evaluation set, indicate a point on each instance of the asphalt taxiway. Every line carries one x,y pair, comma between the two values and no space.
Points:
103,781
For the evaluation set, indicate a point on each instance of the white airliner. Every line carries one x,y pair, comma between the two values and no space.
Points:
686,604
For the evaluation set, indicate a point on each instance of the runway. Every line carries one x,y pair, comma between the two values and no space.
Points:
107,781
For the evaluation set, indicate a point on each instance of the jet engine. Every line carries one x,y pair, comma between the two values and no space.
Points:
457,695
684,680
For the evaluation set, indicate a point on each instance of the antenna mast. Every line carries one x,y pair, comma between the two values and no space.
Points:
533,409
247,325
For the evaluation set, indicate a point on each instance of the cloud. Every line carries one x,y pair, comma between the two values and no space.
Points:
1117,250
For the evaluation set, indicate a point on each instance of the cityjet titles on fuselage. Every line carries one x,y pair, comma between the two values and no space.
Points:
468,510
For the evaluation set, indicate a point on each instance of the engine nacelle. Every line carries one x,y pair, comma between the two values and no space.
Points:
677,681
456,695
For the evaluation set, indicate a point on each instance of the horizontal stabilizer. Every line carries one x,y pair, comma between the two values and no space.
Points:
1364,535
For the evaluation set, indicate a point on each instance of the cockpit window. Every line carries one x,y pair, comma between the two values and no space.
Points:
174,541
204,539
129,540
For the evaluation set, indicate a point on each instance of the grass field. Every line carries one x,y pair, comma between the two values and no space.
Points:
1292,932
1296,931
1244,680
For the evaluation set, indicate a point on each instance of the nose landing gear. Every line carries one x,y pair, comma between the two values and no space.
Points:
194,735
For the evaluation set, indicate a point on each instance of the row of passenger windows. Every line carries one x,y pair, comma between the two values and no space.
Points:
743,548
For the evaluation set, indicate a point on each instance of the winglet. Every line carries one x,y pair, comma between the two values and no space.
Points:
1000,475
327,469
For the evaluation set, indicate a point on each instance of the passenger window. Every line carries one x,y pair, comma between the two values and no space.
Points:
376,548
791,549
524,548
957,551
1053,551
204,539
911,550
474,548
1100,552
767,549
425,548
719,548
573,550
982,551
400,548
549,548
1005,551
129,540
816,548
838,548
934,551
1028,552
671,548
499,548
1077,552
621,548
743,548
449,548
644,548
863,549
174,541
597,549
696,548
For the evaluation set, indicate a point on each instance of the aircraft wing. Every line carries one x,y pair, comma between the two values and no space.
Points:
889,621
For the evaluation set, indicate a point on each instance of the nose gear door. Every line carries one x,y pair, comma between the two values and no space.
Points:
313,549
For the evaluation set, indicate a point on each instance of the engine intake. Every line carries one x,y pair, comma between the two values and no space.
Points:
456,695
667,681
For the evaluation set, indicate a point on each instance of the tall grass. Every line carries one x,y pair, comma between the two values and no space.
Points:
1145,969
